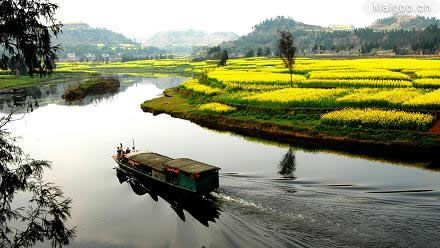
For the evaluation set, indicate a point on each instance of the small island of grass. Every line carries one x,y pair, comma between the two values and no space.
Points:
93,86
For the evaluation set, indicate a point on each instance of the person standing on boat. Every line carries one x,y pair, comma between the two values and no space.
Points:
127,151
118,151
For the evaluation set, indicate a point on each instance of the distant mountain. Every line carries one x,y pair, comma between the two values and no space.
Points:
265,34
189,38
75,34
398,37
404,22
79,41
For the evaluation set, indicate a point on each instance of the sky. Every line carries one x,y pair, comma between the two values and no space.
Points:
141,18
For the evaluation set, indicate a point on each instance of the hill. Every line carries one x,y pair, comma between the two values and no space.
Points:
397,34
265,35
82,42
189,38
75,34
404,22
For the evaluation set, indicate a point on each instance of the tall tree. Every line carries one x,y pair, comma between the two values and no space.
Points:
250,54
26,28
267,53
259,52
224,58
44,216
287,51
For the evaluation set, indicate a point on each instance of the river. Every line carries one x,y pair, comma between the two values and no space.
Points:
328,199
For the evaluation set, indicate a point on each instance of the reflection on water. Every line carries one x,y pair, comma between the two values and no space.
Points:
204,210
335,200
49,94
288,164
42,210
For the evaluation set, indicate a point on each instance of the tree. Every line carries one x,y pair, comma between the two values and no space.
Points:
259,52
214,52
26,29
223,58
287,51
267,53
250,54
315,48
43,217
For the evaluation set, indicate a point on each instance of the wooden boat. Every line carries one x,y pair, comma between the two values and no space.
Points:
184,174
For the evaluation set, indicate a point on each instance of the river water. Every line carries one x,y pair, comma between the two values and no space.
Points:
327,199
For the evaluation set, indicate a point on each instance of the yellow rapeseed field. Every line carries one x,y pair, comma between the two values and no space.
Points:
252,77
427,101
379,97
253,87
355,83
216,107
374,118
297,97
428,74
427,82
348,74
195,86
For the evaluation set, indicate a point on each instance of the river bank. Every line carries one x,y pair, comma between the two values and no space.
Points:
394,144
9,83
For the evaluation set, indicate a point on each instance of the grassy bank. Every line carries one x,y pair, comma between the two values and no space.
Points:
76,72
388,103
302,127
8,82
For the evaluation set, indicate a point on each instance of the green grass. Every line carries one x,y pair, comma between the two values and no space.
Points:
172,102
12,81
303,122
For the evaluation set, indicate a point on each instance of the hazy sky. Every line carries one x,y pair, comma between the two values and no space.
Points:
141,18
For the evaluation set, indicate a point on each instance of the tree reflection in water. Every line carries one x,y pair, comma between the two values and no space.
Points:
204,210
44,217
288,165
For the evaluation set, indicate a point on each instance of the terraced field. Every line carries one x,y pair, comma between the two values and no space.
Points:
406,85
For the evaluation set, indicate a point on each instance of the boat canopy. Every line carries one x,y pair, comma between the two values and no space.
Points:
160,162
150,159
189,166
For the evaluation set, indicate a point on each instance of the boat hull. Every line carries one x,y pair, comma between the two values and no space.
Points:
159,180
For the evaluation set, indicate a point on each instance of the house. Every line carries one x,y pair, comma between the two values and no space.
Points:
71,57
90,57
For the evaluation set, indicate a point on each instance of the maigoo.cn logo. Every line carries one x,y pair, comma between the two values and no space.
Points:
408,7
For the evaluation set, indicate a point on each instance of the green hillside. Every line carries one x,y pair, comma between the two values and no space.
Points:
404,22
82,34
411,35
